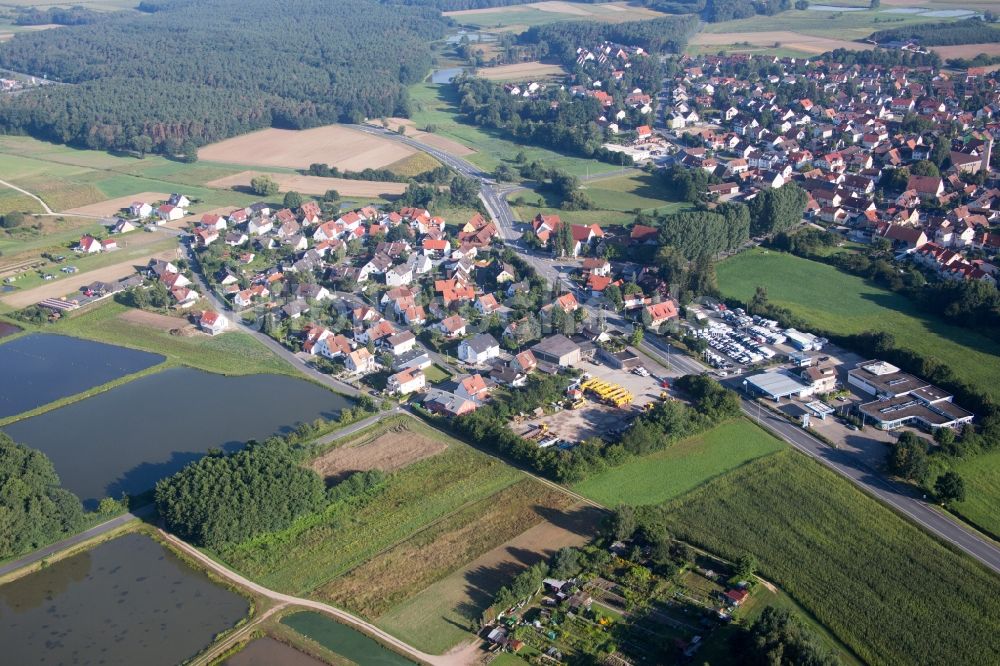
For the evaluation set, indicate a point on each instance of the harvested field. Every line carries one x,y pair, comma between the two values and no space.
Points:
112,206
788,40
606,11
64,286
392,450
443,547
435,619
524,70
158,321
316,185
966,50
335,145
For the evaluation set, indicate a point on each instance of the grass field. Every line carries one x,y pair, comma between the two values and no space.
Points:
982,484
615,199
433,553
300,560
687,464
67,177
435,104
887,589
844,304
232,353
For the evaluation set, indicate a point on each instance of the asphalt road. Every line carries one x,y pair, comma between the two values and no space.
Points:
901,498
71,541
269,342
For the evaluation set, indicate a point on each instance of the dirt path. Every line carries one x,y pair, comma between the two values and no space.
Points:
64,286
459,658
45,206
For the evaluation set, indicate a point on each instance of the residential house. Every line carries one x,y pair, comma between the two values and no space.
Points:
473,387
406,381
452,327
212,322
360,361
479,349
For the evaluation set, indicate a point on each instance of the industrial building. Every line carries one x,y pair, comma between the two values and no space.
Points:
904,399
777,384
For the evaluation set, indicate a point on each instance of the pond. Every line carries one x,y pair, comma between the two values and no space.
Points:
8,329
127,601
42,367
269,652
126,439
446,75
343,640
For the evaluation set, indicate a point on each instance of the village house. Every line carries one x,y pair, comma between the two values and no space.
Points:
479,349
406,381
212,322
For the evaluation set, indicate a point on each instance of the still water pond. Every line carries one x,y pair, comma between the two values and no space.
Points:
269,652
41,367
343,640
8,329
128,438
127,601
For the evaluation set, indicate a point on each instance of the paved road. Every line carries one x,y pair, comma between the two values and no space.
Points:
266,340
897,496
902,498
69,542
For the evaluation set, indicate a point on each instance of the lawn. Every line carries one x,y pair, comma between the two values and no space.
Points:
233,353
436,104
615,200
300,559
689,463
436,374
982,484
834,301
883,586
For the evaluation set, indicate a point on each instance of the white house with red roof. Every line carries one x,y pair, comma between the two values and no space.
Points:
212,322
661,313
89,245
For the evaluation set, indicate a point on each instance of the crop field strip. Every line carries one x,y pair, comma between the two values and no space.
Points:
879,583
298,561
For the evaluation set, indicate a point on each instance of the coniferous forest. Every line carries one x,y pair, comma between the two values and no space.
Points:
203,70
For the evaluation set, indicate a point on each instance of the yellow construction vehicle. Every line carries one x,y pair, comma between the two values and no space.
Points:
613,394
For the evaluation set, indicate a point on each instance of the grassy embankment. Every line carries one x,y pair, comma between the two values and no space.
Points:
682,467
886,588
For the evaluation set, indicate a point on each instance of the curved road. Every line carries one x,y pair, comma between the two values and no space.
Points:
902,499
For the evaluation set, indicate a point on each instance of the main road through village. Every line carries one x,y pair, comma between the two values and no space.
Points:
898,497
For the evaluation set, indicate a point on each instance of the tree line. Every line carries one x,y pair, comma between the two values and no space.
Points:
224,499
561,39
203,71
657,429
34,508
945,33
